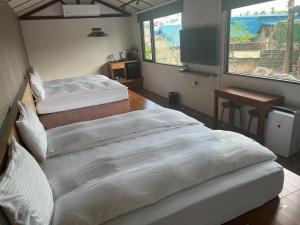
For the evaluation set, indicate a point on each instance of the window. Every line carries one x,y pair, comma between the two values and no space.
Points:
161,43
147,40
264,40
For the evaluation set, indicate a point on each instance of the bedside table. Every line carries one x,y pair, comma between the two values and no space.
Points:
127,73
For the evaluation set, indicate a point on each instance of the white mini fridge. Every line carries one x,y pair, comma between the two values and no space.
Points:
282,135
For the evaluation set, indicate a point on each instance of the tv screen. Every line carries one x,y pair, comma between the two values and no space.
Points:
199,45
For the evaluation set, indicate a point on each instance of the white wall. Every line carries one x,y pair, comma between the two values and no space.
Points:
61,48
161,78
13,59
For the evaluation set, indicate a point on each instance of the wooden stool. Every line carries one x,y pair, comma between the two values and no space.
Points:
254,113
231,106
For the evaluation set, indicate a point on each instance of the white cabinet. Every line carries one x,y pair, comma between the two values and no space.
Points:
283,131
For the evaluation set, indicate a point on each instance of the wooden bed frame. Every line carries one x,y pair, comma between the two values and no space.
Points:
8,129
283,210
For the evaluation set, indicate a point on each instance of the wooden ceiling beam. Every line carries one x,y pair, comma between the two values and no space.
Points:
113,7
21,4
73,17
127,3
38,9
147,3
28,15
133,7
31,6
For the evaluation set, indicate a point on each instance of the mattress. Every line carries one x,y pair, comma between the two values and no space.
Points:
213,202
79,92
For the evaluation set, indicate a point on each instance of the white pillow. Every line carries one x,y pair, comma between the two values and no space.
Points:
25,194
32,132
37,86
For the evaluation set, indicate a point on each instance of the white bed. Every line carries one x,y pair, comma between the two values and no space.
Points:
212,202
79,92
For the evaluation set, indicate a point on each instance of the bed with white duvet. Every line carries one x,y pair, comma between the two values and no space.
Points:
156,167
149,167
76,92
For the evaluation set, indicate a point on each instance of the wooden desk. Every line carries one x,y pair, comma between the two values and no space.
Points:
119,71
261,101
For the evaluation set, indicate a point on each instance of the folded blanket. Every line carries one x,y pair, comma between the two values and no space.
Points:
122,182
80,136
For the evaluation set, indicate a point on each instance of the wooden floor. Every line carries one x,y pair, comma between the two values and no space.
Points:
134,102
284,210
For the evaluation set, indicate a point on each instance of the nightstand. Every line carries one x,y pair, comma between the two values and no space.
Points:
127,73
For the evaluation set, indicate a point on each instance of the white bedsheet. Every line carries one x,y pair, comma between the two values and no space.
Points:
78,92
212,202
123,181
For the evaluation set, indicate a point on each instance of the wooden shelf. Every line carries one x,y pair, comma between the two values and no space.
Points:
201,73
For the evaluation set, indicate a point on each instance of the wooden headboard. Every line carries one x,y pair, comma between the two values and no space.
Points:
8,129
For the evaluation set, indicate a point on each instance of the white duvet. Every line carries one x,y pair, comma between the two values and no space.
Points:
80,136
78,86
123,181
79,92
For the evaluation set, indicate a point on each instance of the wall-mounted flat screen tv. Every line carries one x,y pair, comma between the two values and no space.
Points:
199,45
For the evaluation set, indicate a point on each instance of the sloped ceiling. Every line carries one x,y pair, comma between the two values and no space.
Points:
21,7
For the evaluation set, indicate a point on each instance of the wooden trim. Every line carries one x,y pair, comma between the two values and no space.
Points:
38,9
127,3
8,124
28,15
8,129
137,9
28,7
113,7
74,17
21,4
147,3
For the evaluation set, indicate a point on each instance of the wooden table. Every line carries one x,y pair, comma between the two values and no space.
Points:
261,101
120,71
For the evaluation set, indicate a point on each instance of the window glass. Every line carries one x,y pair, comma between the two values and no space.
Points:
167,39
264,40
147,40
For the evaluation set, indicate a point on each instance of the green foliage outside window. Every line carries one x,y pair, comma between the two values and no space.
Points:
148,52
240,33
281,34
